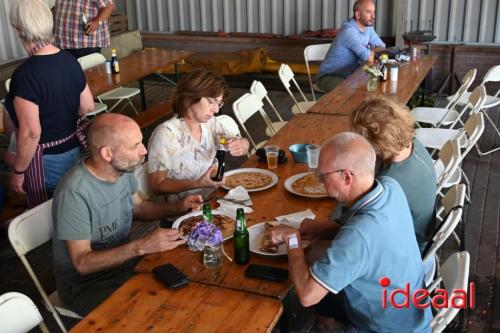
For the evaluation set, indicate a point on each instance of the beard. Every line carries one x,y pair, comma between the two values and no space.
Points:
124,166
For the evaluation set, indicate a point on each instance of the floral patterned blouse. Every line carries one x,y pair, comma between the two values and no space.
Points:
173,149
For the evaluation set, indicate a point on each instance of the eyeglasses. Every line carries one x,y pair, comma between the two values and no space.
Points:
214,101
321,176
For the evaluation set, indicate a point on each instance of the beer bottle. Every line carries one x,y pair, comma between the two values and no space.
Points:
207,213
115,66
220,160
241,239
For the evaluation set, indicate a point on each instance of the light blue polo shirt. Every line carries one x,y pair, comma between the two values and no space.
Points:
376,240
349,50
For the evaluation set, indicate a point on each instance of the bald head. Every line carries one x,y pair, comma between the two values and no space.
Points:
109,129
349,151
364,12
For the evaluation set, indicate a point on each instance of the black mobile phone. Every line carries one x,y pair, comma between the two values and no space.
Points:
266,272
170,276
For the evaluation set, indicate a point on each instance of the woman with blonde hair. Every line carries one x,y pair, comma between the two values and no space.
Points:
390,128
48,93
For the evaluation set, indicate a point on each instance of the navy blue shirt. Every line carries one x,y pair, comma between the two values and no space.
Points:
53,82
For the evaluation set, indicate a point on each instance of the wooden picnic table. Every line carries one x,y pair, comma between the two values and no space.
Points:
352,91
144,304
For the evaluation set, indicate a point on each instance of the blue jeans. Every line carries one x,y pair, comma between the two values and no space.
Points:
55,166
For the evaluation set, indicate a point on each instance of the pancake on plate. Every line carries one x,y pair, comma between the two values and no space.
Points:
249,180
309,185
225,224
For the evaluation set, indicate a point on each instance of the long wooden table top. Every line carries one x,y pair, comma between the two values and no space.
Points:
132,68
143,304
302,128
352,92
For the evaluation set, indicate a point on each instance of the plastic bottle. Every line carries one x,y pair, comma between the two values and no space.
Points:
115,66
220,160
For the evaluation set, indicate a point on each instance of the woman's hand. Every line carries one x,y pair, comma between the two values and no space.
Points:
16,183
206,181
238,146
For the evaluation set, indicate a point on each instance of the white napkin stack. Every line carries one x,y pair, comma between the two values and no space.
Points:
295,219
236,198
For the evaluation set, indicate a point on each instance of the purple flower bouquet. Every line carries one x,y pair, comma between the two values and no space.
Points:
204,234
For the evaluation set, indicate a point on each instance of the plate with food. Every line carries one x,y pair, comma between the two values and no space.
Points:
252,179
306,184
187,222
261,242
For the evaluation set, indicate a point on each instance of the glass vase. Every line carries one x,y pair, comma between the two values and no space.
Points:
212,256
371,85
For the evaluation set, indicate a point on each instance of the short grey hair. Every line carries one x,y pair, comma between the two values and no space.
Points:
359,159
33,20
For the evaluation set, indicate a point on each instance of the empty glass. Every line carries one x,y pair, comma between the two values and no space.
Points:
212,256
312,157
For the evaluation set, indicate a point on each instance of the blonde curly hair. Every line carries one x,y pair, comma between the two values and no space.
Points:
389,126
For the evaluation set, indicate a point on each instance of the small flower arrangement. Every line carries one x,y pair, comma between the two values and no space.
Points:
204,234
372,70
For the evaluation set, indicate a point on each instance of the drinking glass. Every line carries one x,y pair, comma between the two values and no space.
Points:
272,153
212,256
312,157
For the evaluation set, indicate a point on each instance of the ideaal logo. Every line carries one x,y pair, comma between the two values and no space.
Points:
440,298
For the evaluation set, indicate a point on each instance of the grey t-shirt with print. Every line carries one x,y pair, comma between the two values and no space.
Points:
86,208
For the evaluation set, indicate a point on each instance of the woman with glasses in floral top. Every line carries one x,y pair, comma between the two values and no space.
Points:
182,149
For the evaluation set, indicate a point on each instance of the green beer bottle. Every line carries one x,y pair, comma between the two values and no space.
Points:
241,239
207,213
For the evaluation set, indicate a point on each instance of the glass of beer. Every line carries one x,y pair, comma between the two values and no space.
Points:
272,153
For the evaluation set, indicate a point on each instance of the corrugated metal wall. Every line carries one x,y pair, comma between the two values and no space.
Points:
470,21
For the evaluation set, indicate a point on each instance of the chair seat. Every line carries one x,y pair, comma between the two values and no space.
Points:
435,116
303,105
435,138
277,126
98,108
120,93
455,178
491,101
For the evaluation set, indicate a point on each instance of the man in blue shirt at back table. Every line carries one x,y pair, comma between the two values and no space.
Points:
355,44
376,241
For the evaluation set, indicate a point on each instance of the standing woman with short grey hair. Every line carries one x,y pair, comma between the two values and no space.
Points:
48,93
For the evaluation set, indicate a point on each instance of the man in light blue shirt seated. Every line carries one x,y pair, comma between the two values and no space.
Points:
376,241
355,44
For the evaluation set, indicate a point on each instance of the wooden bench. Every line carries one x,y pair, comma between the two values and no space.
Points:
154,113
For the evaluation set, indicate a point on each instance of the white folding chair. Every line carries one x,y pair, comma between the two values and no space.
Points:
28,231
229,126
449,214
260,92
286,76
18,314
245,107
120,94
315,52
450,157
143,188
454,275
434,138
7,85
438,117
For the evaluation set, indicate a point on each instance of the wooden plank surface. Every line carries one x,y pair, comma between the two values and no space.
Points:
352,92
132,68
302,128
143,304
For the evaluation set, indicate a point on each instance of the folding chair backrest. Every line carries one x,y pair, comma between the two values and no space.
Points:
286,76
477,98
452,208
260,92
466,83
450,156
245,107
27,232
474,128
7,85
143,188
455,276
492,75
229,125
91,60
315,52
18,314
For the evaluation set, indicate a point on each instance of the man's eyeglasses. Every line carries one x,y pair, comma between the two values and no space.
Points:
321,176
214,101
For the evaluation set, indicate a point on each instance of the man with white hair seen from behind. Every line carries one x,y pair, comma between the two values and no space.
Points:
376,240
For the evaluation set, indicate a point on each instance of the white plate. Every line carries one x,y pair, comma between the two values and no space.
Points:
274,178
255,233
177,222
290,180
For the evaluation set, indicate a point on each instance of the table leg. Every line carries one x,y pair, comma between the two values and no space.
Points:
143,94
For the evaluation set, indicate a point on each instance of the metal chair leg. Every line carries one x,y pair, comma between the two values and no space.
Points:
496,130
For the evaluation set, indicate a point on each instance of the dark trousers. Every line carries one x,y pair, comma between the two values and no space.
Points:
332,306
78,53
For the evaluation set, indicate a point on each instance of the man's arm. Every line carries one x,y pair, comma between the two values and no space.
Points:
319,229
145,210
103,15
87,261
375,42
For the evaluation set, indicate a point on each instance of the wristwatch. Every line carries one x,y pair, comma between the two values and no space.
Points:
100,22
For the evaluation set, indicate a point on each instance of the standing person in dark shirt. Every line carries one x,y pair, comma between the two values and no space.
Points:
48,93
